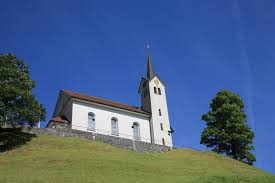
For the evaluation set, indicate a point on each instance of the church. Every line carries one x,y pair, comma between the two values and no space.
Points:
148,123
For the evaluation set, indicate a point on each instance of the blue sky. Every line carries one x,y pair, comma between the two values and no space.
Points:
198,48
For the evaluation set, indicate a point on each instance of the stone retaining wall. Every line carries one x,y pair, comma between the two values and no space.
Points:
116,141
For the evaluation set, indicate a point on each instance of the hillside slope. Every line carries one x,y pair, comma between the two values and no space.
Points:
65,159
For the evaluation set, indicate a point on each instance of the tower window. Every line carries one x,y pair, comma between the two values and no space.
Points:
144,84
155,90
159,112
159,91
163,142
161,126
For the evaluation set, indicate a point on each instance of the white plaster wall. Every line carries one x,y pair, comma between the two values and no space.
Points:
103,117
159,102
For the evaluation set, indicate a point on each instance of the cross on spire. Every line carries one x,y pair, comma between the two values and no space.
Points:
147,44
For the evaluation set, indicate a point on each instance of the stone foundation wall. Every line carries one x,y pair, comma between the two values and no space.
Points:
116,141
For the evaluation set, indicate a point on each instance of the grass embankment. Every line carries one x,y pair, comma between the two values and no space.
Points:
65,159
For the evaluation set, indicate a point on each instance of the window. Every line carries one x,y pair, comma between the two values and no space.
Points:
114,125
136,132
163,142
161,126
144,84
159,112
91,121
159,91
155,90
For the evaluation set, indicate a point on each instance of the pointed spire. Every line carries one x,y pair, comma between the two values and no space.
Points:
150,70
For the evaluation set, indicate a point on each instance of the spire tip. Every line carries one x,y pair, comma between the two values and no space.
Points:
147,44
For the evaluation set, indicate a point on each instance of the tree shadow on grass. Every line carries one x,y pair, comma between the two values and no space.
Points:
11,138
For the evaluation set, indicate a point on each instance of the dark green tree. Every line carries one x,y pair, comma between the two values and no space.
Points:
17,102
226,131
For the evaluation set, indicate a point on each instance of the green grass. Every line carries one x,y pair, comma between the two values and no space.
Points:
66,159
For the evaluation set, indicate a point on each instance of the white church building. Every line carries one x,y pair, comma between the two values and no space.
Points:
148,123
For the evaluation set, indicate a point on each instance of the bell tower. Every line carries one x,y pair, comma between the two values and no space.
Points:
153,100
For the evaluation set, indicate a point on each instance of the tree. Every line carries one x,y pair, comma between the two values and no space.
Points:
227,132
17,102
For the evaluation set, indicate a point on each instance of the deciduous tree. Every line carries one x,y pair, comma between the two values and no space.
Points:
226,130
18,104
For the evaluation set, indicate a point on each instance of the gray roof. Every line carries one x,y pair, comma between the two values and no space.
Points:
150,71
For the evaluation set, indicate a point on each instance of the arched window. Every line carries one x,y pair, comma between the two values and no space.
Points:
136,131
91,121
114,125
155,90
159,91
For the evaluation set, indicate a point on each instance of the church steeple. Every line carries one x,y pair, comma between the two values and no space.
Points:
150,70
153,100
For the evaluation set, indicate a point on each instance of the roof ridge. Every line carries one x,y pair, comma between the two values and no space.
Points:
105,101
100,98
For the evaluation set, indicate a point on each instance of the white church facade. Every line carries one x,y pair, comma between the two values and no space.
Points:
148,123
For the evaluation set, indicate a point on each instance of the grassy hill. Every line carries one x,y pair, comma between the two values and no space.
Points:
66,159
